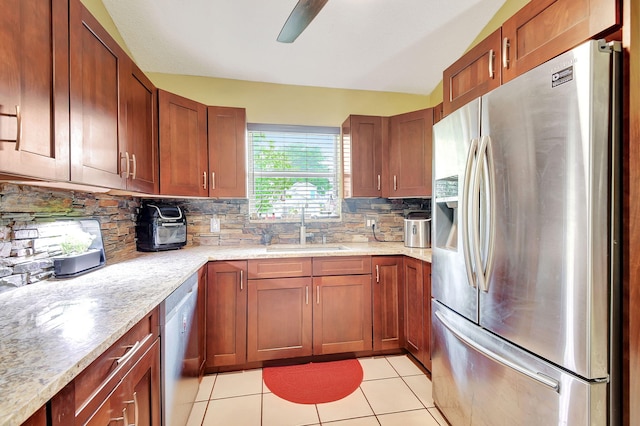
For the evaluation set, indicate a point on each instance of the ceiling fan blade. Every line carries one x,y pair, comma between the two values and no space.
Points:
301,16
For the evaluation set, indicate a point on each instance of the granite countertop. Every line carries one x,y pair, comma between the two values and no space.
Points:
52,330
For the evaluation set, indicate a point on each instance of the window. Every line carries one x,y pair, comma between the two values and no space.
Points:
291,168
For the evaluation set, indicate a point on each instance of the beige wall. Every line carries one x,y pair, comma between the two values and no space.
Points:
287,104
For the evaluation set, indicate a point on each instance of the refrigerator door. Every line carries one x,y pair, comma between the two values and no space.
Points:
548,135
479,379
452,283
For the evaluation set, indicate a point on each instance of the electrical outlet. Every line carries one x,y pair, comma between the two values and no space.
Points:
214,224
369,222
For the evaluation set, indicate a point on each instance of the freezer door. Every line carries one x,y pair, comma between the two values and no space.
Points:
452,139
548,136
479,379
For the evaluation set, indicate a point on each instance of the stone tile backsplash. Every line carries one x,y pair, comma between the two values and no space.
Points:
28,215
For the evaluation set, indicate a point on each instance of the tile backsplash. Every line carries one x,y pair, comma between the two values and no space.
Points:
28,215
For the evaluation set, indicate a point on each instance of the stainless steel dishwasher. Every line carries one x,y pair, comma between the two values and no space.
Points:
179,353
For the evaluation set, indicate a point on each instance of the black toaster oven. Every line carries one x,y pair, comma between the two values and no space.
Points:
160,227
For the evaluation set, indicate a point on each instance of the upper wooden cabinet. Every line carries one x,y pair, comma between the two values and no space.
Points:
227,152
409,154
183,146
362,141
141,150
474,74
543,29
98,67
34,78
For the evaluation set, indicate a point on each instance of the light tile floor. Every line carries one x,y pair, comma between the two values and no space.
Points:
394,392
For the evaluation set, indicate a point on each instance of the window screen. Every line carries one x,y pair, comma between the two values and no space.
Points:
291,168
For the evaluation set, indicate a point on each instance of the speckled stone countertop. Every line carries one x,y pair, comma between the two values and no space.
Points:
52,330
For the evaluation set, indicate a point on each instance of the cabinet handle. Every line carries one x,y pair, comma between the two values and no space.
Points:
306,294
241,274
492,56
18,117
377,273
133,401
213,180
378,182
126,161
135,166
318,295
395,183
125,417
506,44
129,353
204,180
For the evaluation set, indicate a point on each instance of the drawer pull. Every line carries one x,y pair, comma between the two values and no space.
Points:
377,273
505,52
132,349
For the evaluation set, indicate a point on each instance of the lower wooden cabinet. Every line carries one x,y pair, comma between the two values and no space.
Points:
279,318
417,279
226,324
388,302
342,314
39,418
123,384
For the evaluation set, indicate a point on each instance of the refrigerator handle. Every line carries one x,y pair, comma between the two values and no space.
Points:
475,215
491,204
538,377
466,249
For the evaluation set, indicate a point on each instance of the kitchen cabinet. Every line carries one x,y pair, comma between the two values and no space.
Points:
97,104
426,315
34,78
342,320
227,128
183,146
226,322
39,418
474,74
413,307
543,29
362,145
409,165
438,112
123,382
141,137
279,309
388,302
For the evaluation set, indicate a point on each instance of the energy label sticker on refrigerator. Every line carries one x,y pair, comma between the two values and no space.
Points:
562,76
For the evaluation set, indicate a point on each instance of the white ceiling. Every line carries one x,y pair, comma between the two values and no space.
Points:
379,45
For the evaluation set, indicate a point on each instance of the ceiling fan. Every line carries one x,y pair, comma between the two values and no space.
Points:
300,17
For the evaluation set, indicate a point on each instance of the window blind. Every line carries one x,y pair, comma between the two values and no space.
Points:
291,168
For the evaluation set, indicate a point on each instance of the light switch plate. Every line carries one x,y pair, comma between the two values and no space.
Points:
214,224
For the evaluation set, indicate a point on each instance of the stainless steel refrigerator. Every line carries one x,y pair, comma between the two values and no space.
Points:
525,273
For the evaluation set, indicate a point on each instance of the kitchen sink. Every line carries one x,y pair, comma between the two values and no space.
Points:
305,248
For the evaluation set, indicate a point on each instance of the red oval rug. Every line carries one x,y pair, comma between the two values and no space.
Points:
314,383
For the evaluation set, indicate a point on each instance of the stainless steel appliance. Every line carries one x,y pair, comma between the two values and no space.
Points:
160,227
525,274
417,232
179,353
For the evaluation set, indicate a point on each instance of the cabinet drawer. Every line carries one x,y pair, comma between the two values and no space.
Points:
95,382
341,265
279,268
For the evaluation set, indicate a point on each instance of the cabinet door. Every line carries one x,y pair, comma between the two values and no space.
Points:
226,314
227,129
39,418
34,77
341,314
183,146
543,29
142,134
141,393
410,154
362,156
426,314
279,324
414,333
201,309
111,411
97,107
388,302
474,74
